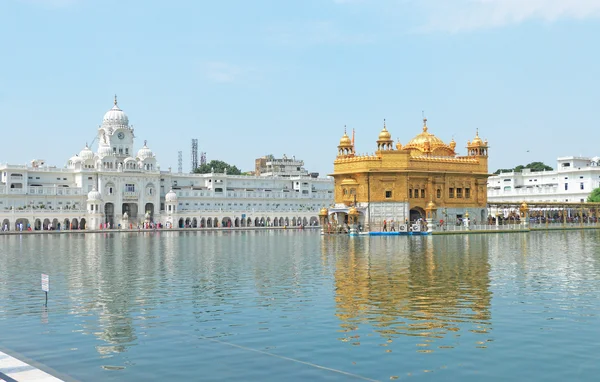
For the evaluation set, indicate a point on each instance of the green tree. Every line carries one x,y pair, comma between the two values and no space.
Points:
594,196
533,166
217,166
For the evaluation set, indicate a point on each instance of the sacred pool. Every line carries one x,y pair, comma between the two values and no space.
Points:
293,305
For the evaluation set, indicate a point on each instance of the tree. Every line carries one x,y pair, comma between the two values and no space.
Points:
533,166
217,166
594,196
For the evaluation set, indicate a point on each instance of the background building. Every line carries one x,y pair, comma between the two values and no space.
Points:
271,166
572,181
117,186
398,182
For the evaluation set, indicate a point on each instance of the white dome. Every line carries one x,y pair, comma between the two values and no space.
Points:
115,117
94,195
76,159
86,153
129,159
171,196
144,153
105,151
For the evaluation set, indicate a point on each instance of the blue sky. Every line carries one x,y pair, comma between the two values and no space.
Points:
248,78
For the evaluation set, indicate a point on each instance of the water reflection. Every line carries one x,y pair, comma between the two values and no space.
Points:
421,286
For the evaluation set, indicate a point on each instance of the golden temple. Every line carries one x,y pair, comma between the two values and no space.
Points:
401,183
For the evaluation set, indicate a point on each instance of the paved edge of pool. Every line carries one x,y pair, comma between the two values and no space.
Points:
22,369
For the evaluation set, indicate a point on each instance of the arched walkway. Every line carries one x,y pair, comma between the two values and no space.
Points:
55,224
268,222
236,222
256,222
74,224
46,224
23,221
287,222
304,221
202,223
294,222
314,221
416,214
188,222
275,222
109,214
181,223
216,222
209,223
66,224
82,224
281,222
6,225
194,223
226,222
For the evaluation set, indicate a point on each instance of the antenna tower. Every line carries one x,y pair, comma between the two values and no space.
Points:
180,161
194,154
202,158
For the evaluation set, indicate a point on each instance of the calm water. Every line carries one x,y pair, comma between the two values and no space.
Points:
272,306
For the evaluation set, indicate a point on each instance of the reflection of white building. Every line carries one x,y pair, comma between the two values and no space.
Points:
117,185
573,181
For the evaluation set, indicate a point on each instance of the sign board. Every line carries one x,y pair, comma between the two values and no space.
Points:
243,216
45,283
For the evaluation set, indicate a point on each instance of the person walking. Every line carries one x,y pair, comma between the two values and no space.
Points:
384,226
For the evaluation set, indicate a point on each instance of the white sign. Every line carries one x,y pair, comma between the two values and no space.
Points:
45,283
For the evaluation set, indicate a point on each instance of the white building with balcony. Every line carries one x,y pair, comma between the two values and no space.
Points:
117,186
572,181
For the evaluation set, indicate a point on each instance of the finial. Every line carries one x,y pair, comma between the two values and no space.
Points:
145,142
477,132
86,146
424,123
344,129
115,100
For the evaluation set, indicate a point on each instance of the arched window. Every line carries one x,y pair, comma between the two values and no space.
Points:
439,193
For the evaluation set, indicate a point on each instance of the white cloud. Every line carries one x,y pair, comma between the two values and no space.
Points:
461,15
218,71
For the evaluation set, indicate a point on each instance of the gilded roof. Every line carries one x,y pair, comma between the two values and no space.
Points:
419,142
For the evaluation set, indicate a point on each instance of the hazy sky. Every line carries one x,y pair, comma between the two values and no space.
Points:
249,78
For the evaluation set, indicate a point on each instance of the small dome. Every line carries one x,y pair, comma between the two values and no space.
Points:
385,135
524,207
345,141
94,195
398,145
105,151
76,159
323,212
452,144
115,117
144,152
86,153
431,206
171,196
353,211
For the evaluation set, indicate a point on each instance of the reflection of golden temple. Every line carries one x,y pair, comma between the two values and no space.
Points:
397,183
423,290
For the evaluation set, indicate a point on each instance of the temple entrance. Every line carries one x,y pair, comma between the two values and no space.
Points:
131,209
150,208
416,214
109,214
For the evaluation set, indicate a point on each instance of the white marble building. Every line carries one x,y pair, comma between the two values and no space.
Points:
116,185
572,181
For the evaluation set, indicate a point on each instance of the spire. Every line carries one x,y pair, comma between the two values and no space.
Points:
384,124
145,143
424,124
115,100
477,132
344,129
352,137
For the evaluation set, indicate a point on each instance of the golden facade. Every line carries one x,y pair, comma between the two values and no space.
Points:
425,170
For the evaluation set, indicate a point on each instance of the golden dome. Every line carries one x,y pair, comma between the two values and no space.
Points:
385,135
477,141
431,206
524,207
349,182
419,142
323,212
452,144
345,141
353,211
398,145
